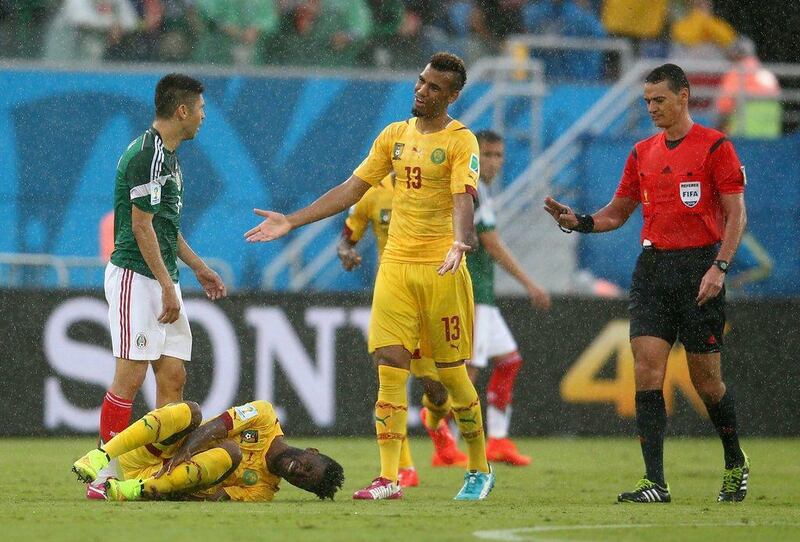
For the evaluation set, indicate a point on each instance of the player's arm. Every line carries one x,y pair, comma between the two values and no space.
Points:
198,440
609,218
334,201
348,255
354,227
500,253
207,277
145,235
463,217
735,217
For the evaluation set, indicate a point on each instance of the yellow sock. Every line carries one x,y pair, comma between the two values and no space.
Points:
155,426
436,413
204,470
467,412
405,455
391,415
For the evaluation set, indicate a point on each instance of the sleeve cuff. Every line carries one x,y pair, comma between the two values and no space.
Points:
227,420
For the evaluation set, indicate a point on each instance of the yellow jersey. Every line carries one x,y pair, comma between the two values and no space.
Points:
374,208
253,426
429,169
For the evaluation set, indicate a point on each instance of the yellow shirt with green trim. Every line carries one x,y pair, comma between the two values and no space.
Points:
375,209
429,170
253,426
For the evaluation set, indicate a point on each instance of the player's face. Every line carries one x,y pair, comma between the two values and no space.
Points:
433,93
194,117
492,157
664,106
301,468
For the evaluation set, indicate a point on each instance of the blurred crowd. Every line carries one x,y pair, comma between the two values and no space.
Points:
344,33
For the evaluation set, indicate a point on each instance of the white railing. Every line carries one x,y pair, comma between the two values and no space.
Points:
507,77
12,263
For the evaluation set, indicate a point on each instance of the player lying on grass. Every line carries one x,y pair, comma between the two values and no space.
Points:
240,455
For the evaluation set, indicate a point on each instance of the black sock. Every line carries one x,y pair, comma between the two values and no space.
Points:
723,416
651,421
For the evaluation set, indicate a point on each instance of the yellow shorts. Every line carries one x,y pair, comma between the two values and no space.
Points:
413,305
147,460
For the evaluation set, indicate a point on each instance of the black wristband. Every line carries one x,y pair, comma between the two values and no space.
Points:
585,224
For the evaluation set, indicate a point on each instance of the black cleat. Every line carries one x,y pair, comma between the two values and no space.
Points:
646,491
734,483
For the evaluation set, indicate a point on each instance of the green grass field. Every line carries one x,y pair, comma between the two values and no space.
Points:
567,494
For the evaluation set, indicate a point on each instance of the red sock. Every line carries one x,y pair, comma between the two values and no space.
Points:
501,383
114,416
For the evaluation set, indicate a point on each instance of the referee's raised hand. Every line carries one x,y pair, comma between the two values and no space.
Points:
562,214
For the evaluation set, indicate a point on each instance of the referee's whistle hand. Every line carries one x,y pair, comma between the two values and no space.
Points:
562,214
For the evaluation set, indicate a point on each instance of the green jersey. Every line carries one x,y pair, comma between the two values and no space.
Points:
479,261
149,177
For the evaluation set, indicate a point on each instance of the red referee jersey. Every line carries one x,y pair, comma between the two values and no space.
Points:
680,188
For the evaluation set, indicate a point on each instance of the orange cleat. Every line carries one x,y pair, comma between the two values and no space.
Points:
446,452
408,477
503,450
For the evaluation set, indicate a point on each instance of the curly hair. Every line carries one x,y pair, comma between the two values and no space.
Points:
332,479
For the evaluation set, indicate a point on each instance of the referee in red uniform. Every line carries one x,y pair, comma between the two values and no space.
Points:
690,184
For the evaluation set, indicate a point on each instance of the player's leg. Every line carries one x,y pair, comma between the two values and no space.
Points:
393,335
436,408
169,370
702,335
205,469
447,334
159,428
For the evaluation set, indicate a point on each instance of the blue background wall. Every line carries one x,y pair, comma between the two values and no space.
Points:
278,143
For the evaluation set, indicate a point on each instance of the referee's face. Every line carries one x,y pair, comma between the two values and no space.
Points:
664,106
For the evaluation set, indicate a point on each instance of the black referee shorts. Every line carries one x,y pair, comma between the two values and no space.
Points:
662,299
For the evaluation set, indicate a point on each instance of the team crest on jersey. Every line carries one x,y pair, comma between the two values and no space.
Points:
385,215
690,194
249,477
141,341
437,156
397,152
250,436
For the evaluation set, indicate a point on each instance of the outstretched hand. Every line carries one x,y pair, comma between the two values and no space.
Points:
562,214
274,226
453,258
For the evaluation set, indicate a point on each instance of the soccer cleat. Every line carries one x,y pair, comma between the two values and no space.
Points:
734,483
446,452
408,477
96,491
380,488
477,486
646,491
89,466
503,450
127,490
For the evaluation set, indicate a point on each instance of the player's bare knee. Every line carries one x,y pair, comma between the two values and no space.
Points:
435,391
233,450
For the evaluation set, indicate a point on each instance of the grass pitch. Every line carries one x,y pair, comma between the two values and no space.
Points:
568,493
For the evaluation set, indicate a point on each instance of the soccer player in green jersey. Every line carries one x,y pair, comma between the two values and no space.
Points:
493,340
146,315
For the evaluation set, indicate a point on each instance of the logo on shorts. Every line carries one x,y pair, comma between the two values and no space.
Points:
250,436
397,152
690,194
141,341
437,156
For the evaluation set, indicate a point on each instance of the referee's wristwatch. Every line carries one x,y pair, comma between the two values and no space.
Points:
722,265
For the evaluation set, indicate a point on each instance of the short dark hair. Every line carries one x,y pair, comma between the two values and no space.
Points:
488,136
672,74
332,479
173,90
448,62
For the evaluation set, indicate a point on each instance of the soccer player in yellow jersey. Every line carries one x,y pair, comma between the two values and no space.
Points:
240,455
423,293
375,209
